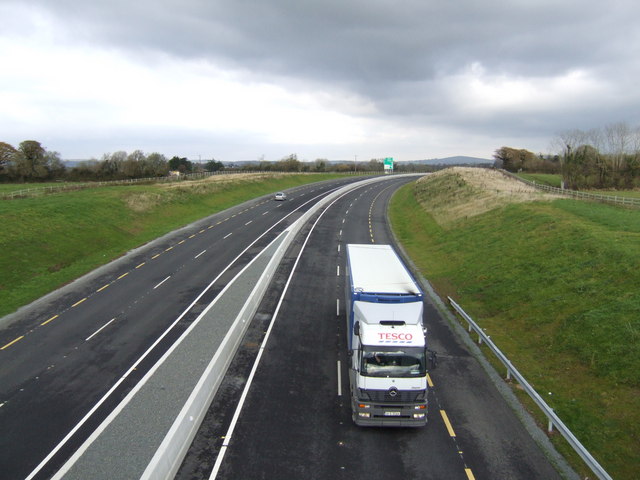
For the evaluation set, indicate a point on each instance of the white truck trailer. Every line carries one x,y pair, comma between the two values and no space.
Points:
386,339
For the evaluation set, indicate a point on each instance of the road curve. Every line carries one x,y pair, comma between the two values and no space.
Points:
70,358
283,410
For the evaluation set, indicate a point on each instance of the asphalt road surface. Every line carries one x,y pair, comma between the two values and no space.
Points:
67,360
283,411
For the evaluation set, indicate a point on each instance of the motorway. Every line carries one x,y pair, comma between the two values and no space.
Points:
69,359
293,419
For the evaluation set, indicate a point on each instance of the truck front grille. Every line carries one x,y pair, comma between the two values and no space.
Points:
402,396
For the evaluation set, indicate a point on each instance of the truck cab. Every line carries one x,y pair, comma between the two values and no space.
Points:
389,372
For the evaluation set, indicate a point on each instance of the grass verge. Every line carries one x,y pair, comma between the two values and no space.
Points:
50,240
555,285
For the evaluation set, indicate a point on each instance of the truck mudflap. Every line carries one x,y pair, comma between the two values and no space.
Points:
369,414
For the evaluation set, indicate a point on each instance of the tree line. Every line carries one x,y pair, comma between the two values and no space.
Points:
600,158
31,162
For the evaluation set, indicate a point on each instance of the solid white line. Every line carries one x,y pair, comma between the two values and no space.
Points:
116,411
142,357
187,410
236,415
98,331
201,253
162,282
339,380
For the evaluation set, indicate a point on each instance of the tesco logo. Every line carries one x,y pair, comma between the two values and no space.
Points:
406,337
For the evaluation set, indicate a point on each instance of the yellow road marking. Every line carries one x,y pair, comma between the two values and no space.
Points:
201,231
155,256
141,264
429,382
469,474
181,242
122,276
78,303
191,236
11,343
447,423
103,287
170,248
50,320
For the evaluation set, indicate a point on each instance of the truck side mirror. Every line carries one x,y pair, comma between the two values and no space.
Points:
356,329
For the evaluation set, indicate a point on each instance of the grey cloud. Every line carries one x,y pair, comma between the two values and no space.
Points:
356,42
397,55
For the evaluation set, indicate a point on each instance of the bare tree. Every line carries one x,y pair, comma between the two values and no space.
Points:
617,138
7,154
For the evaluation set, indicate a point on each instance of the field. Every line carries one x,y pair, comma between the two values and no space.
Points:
549,179
554,180
50,240
554,282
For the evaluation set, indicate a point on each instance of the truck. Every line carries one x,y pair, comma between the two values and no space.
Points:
386,339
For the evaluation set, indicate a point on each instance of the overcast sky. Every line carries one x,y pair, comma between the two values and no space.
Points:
249,79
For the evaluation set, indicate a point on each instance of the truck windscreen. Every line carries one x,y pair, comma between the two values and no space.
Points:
393,362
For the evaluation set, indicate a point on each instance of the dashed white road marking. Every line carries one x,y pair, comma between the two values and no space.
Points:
98,331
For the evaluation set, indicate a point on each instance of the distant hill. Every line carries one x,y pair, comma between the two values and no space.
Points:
457,160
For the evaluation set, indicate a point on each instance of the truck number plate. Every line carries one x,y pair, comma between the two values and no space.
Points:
391,413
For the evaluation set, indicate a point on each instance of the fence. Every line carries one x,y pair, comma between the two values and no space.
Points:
629,201
554,420
37,191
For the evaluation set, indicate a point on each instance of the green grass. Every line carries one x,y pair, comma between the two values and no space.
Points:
553,180
550,179
556,285
617,193
14,187
50,240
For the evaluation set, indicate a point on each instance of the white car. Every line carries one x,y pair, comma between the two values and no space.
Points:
280,196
